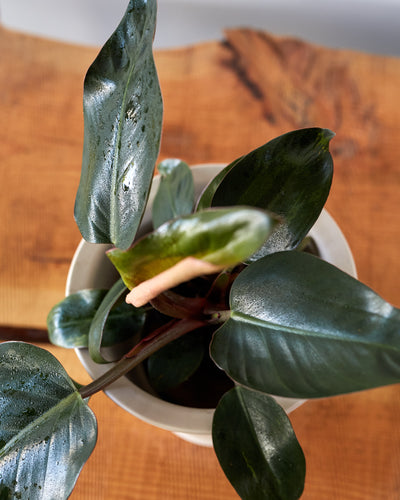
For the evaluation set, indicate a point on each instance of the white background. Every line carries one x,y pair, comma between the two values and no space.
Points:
368,25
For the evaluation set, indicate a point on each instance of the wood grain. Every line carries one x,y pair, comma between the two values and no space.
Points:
221,100
41,139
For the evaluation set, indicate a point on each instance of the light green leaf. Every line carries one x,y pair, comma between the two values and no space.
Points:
302,328
123,115
219,237
257,448
47,431
289,176
175,195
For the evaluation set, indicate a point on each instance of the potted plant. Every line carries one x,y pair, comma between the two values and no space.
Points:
222,274
91,268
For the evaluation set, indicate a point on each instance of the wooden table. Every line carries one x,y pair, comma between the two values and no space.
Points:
221,100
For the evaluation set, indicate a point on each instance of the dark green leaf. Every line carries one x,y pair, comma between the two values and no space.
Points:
300,327
220,237
69,321
176,362
47,431
5,493
289,176
257,448
124,321
206,197
123,115
175,195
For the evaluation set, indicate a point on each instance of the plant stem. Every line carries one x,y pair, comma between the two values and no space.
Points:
157,339
178,306
218,317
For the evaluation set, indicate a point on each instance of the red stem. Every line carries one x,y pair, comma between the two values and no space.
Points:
157,339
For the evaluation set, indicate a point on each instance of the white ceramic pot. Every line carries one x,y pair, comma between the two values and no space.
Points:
90,268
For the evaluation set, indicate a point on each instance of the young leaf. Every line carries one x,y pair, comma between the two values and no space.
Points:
213,239
256,447
69,321
175,195
47,431
123,115
289,176
302,328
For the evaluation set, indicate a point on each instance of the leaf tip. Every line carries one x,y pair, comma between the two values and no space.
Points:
325,136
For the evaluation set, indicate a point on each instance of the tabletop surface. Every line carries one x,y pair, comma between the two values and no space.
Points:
221,100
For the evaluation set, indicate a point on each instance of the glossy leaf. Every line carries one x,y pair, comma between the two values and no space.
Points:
220,237
175,195
257,447
300,327
126,321
69,321
123,115
289,176
176,362
47,431
206,197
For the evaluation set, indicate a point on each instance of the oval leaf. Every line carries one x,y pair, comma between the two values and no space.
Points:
289,176
219,238
69,321
175,195
302,328
123,115
47,431
263,460
206,197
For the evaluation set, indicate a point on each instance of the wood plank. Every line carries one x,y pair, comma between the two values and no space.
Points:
240,103
221,100
41,140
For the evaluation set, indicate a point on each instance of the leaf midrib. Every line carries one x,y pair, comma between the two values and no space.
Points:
308,333
272,481
37,421
113,191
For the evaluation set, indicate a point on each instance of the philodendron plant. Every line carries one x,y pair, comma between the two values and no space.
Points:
220,278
